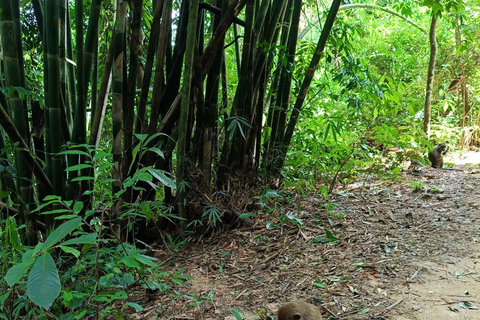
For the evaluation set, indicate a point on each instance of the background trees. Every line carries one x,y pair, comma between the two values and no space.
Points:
249,77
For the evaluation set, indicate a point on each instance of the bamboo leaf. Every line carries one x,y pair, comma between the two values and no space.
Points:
75,152
78,167
162,177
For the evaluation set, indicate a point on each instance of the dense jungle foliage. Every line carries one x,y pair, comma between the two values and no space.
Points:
125,123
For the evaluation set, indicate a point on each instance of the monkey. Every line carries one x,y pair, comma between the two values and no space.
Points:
436,155
299,310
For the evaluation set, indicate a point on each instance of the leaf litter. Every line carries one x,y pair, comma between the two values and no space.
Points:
378,249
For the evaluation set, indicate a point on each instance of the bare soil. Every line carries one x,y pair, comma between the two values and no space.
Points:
407,249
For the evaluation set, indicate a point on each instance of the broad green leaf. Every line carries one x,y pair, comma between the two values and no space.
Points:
101,155
37,248
43,285
143,176
146,260
130,262
71,250
15,273
136,306
61,232
86,238
78,206
246,215
320,284
157,151
237,315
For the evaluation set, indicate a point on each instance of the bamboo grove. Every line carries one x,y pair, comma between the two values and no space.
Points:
160,67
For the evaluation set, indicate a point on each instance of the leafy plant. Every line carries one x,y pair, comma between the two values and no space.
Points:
417,185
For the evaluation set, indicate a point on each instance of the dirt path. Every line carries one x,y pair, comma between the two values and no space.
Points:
407,249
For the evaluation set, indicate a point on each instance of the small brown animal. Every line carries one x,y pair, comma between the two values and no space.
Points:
299,310
436,155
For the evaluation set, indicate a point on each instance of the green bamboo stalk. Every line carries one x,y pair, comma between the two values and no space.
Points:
141,124
128,109
158,80
71,72
89,55
187,78
52,96
16,138
283,94
243,95
117,88
14,77
64,94
211,104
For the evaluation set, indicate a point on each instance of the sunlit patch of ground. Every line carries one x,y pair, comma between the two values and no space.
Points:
468,157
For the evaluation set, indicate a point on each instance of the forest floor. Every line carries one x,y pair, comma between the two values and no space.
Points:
407,249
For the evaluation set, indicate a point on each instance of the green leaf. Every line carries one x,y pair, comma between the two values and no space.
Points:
49,202
101,155
15,273
136,306
237,315
43,285
82,179
86,238
157,151
4,297
78,152
61,232
78,167
55,211
158,134
162,177
66,217
320,284
146,260
78,206
143,176
364,311
11,233
141,137
71,250
130,262
246,215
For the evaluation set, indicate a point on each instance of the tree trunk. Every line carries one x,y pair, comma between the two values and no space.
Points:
187,78
430,76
